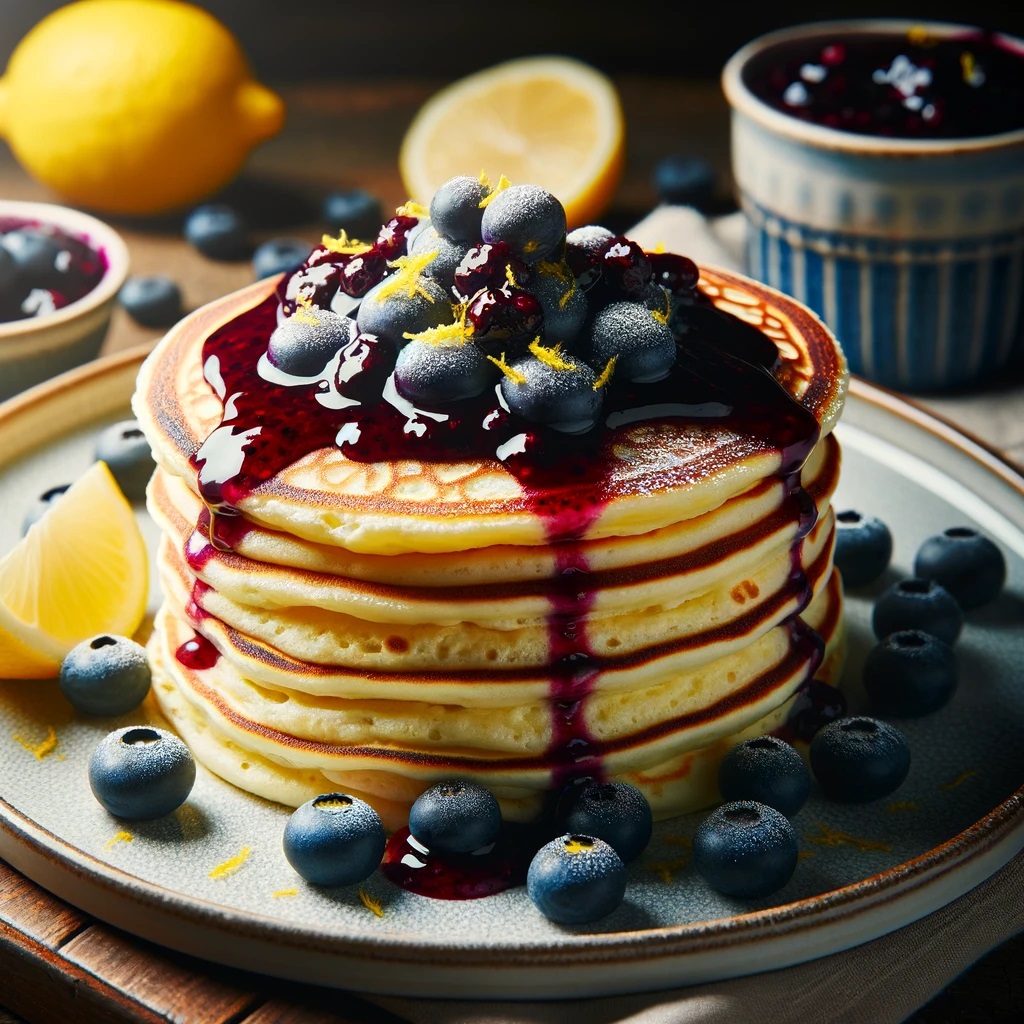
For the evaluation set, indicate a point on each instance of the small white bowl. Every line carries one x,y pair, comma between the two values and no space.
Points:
40,347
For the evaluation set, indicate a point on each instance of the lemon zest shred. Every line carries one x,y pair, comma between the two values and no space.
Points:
445,336
959,780
513,375
559,270
835,837
282,894
804,855
345,245
660,316
665,869
44,748
503,183
550,356
509,276
412,209
659,247
304,314
370,903
606,373
967,66
684,841
228,867
901,805
121,837
484,180
406,279
920,36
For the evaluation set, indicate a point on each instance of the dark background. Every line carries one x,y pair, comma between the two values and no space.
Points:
289,40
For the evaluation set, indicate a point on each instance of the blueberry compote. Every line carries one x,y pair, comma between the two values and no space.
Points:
723,381
43,269
910,85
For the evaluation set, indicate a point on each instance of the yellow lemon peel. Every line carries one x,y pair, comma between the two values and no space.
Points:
406,279
445,336
959,780
283,894
563,273
503,183
121,837
412,209
834,837
304,313
370,903
42,750
578,844
343,244
606,373
233,864
484,180
550,356
513,375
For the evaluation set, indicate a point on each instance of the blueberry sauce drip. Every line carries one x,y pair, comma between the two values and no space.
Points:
910,85
817,703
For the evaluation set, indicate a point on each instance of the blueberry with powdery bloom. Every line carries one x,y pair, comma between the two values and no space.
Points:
965,563
447,256
334,839
455,817
438,374
125,450
576,879
397,314
530,219
561,300
305,343
455,210
918,604
857,760
616,812
643,343
565,399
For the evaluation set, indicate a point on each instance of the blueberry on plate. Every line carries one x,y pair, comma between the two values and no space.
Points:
334,839
354,210
455,211
436,375
41,506
616,812
918,604
530,219
304,344
279,256
910,673
745,849
685,181
965,562
455,817
564,399
140,772
576,879
768,770
860,759
644,344
125,450
863,547
218,232
152,301
105,675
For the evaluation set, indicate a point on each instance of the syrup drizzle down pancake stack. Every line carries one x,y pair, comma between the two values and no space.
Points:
374,596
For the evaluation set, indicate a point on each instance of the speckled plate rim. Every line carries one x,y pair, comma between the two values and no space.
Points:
643,960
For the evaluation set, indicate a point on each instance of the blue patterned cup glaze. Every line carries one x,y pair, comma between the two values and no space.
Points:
911,250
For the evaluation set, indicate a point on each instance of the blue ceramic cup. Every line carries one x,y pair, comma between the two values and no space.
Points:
910,249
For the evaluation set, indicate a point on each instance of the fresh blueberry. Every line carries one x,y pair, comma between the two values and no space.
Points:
455,210
279,256
768,770
745,849
106,675
918,604
399,314
334,839
140,772
153,301
565,399
863,547
455,817
910,673
41,506
857,760
447,256
435,374
685,181
576,879
592,238
125,450
355,211
616,812
644,345
966,563
562,302
530,219
304,344
218,232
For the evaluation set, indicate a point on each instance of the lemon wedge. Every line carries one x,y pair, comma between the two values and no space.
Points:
548,121
80,570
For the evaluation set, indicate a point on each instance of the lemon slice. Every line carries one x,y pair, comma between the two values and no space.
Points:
548,121
82,569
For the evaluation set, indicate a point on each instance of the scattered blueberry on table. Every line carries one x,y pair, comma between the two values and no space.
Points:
41,506
139,772
745,849
152,301
218,232
125,450
354,210
685,181
279,256
105,675
859,759
768,770
918,604
576,879
964,562
334,839
455,817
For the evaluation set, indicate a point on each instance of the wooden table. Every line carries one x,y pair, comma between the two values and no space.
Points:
59,965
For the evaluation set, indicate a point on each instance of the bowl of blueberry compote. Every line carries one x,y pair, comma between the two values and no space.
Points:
60,271
880,166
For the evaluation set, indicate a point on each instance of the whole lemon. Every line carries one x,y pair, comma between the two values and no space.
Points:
133,106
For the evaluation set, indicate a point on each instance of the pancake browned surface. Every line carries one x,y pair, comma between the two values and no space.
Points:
378,624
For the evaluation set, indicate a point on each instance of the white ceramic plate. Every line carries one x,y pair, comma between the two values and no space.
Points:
865,870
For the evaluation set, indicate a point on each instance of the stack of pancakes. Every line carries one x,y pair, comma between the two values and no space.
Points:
379,626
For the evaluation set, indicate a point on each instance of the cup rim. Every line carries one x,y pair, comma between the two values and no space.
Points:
97,233
742,100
